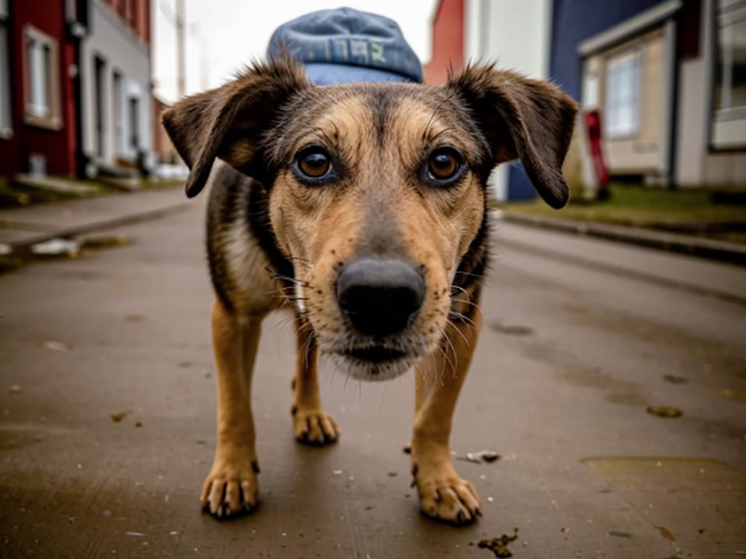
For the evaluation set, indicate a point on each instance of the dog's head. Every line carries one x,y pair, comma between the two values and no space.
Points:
376,192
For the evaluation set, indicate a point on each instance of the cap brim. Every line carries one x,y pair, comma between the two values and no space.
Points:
335,74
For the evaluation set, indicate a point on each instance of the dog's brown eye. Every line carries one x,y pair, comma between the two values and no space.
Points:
315,164
444,164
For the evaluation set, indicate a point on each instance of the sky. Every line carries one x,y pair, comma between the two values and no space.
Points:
224,35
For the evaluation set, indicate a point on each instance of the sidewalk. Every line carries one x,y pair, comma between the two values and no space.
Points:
24,227
722,251
695,275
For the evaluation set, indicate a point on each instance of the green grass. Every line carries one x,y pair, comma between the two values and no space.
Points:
657,208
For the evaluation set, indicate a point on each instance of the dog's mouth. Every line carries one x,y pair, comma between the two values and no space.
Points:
375,354
375,362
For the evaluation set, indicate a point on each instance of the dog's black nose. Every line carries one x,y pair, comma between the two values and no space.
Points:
380,297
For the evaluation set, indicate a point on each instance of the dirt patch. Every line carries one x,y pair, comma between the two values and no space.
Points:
100,241
499,546
119,416
667,412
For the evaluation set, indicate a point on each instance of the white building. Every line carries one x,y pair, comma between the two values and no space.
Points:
516,34
117,119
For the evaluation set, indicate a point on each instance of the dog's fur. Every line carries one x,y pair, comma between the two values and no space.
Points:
273,240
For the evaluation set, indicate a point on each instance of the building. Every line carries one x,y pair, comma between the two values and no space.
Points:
75,91
667,77
116,87
448,40
669,80
516,34
163,148
38,129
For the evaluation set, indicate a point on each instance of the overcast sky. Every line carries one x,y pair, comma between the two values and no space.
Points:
226,34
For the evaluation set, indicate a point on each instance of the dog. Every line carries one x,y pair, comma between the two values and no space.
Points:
363,207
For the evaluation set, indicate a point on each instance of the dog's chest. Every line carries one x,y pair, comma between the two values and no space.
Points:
248,270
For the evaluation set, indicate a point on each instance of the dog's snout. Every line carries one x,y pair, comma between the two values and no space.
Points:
380,297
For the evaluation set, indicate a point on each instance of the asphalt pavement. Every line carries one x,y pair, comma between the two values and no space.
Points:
107,413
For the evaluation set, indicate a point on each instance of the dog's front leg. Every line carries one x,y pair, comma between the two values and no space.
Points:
231,486
443,493
312,425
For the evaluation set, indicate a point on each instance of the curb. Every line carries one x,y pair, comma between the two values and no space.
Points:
23,247
721,251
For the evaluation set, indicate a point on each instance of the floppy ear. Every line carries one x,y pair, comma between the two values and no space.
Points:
228,122
525,118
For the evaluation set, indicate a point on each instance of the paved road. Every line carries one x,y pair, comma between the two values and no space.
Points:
581,337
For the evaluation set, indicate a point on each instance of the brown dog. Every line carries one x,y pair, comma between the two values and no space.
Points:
366,212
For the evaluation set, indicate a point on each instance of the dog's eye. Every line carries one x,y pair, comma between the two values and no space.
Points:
314,163
444,165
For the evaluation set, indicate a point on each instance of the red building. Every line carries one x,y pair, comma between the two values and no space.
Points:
447,40
39,133
73,96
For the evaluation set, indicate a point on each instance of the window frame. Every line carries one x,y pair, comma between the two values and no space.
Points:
723,16
633,53
53,119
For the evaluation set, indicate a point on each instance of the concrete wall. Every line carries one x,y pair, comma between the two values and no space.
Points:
129,56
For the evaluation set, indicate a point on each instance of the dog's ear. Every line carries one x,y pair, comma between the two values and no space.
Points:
522,118
228,122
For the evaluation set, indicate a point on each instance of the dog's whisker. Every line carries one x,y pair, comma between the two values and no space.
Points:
304,261
463,317
466,341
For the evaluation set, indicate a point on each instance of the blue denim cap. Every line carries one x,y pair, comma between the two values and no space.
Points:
346,45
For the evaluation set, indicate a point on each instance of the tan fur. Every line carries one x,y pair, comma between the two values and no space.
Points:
293,238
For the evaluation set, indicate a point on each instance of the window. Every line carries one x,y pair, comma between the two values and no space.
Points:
118,110
6,126
135,123
41,91
99,75
622,111
730,72
729,88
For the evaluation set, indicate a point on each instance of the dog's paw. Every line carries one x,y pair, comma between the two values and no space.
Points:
231,489
314,427
446,496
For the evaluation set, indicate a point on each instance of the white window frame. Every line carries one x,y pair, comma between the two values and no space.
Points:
41,79
622,99
591,90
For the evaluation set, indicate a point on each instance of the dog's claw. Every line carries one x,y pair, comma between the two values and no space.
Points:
447,497
315,428
229,491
